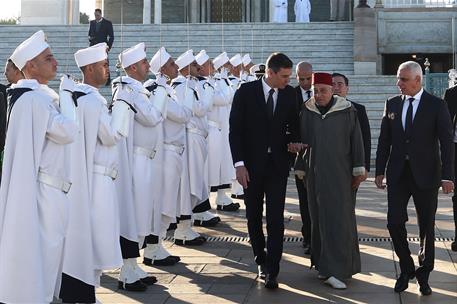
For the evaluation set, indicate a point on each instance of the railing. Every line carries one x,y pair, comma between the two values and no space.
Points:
419,3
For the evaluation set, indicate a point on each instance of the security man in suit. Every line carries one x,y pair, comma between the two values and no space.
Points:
304,92
341,88
450,97
261,112
101,30
416,145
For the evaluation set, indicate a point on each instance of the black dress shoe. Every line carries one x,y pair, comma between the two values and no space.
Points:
262,271
403,281
150,280
230,207
237,196
454,246
209,223
195,242
135,286
424,288
168,261
271,282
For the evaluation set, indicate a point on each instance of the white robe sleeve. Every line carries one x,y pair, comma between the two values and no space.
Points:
147,114
106,134
60,130
177,112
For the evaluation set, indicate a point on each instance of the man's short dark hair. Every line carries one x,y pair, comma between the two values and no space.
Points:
278,61
346,80
98,10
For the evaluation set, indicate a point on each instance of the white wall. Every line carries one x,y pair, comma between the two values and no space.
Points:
49,12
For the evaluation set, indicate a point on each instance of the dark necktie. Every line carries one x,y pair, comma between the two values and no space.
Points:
409,118
309,94
270,105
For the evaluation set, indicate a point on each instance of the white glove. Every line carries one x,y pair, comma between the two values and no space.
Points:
161,80
66,83
66,102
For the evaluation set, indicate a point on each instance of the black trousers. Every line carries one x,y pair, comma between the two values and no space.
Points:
304,211
129,249
73,290
454,198
272,186
425,202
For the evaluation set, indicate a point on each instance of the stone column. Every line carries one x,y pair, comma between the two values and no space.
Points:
146,11
257,11
157,11
365,41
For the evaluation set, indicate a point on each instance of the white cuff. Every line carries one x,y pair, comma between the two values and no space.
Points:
239,164
356,171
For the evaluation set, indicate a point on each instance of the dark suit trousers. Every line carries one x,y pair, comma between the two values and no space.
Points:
304,211
425,202
454,197
272,186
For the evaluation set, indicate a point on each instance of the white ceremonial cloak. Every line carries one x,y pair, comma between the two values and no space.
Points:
33,216
174,136
147,172
193,187
124,180
302,10
78,249
279,11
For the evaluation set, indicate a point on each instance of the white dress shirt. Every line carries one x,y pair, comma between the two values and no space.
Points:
304,94
416,101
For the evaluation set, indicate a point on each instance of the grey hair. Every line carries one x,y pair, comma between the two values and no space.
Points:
413,67
305,66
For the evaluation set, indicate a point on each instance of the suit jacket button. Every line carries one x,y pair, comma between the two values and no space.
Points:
407,141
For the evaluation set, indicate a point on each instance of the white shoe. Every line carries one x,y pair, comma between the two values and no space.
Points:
156,251
128,274
184,234
321,277
222,199
335,283
236,188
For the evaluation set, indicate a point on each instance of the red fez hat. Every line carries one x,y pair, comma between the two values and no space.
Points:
322,78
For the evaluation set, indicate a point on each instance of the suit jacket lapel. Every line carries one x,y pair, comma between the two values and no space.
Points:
399,114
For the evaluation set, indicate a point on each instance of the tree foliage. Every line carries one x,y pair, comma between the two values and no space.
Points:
9,21
83,18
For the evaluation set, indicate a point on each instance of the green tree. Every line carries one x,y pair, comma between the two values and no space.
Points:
9,21
83,18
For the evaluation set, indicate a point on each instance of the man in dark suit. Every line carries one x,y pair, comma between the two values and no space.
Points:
101,30
450,97
304,73
341,88
262,112
416,145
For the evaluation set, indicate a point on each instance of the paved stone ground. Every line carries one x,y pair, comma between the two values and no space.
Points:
224,271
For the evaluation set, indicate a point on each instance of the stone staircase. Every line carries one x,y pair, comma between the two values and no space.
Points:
327,45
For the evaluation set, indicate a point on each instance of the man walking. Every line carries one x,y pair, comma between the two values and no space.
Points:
416,145
262,110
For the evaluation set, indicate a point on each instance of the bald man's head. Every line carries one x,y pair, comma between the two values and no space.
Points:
304,73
